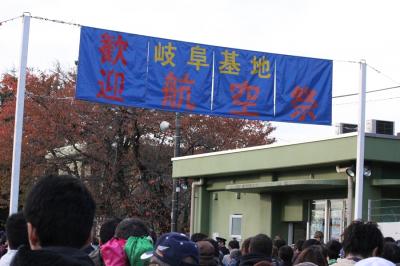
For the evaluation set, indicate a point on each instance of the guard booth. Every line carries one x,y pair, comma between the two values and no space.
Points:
290,190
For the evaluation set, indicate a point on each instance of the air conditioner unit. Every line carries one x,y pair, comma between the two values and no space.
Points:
342,128
380,127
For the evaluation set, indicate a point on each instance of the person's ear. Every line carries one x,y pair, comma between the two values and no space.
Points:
33,237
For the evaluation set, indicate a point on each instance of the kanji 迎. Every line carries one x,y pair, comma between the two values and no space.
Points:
164,54
244,95
198,57
113,86
261,67
304,103
174,91
229,64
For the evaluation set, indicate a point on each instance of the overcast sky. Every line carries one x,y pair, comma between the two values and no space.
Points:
342,30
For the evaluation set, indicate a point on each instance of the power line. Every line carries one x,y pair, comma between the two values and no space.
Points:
383,74
9,20
371,91
372,100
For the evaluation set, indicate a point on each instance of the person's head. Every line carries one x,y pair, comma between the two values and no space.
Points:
59,211
175,249
298,246
279,243
107,229
276,244
389,239
131,227
391,252
16,231
198,237
233,244
206,253
221,241
362,239
333,248
215,245
261,244
318,235
312,254
286,254
309,243
245,246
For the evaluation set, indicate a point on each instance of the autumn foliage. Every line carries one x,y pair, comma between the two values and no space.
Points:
119,152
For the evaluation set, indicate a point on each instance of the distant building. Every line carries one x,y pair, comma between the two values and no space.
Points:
291,190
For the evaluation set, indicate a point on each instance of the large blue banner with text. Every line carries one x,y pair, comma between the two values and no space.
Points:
148,72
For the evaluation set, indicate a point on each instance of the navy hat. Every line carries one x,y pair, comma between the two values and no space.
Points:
172,248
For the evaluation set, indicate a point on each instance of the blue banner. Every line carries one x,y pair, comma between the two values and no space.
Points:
147,72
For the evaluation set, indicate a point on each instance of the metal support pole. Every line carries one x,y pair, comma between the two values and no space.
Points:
19,116
358,206
349,216
175,183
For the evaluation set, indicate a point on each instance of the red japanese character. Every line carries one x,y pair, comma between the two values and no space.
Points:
121,45
107,48
174,94
244,95
303,102
108,91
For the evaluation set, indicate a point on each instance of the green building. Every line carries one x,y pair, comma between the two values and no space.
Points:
291,190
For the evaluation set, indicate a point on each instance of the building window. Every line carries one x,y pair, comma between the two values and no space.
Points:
235,226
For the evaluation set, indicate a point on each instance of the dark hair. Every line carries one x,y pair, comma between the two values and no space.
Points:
279,243
309,243
391,252
215,245
245,246
198,237
107,229
299,244
16,230
233,244
61,209
261,244
334,248
131,227
361,238
286,254
389,239
312,254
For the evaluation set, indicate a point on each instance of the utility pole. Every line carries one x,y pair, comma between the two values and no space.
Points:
175,182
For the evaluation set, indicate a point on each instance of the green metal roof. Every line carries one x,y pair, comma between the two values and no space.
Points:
335,150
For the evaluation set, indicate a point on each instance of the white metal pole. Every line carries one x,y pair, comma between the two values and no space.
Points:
19,116
358,206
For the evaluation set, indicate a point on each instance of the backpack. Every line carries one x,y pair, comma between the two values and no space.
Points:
113,252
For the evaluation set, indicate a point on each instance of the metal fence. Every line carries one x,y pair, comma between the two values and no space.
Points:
384,210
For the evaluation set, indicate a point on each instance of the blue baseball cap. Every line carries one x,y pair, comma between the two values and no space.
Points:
173,248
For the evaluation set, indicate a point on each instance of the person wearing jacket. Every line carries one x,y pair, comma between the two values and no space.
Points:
59,212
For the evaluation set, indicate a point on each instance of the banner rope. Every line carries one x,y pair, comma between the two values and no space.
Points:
57,21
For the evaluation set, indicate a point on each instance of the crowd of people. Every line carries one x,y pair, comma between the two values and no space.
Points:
55,228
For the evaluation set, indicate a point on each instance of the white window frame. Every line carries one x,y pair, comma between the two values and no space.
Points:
231,217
